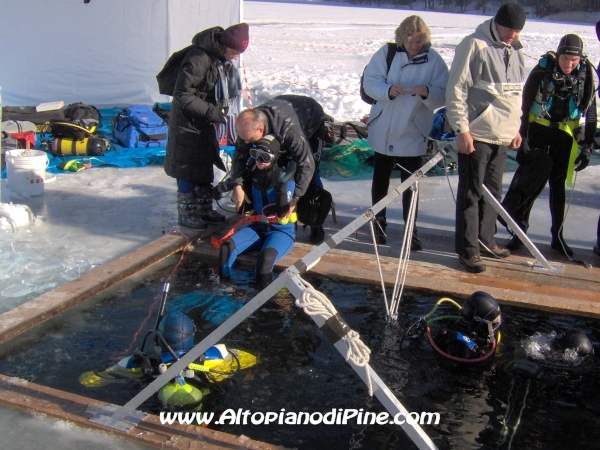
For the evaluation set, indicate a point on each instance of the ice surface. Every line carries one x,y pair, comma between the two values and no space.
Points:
52,434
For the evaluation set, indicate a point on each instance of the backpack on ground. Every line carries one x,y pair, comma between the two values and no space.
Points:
80,121
139,127
314,206
83,111
77,129
391,52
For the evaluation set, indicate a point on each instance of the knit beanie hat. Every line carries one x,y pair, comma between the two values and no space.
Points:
570,44
269,144
236,37
511,15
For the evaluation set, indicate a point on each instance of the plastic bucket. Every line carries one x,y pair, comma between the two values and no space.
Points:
25,174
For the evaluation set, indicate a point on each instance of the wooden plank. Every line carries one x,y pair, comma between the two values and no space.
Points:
29,396
511,281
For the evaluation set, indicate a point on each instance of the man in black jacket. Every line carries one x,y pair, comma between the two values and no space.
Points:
298,123
204,84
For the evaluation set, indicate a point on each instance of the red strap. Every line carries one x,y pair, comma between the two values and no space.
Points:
216,243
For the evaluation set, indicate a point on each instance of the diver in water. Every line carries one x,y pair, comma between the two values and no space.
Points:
470,336
268,190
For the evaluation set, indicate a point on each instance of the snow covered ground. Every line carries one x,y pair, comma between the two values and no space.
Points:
97,215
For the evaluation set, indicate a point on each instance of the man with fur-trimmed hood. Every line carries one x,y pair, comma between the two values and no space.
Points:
205,86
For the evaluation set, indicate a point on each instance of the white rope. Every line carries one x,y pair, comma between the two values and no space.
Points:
315,303
387,306
404,255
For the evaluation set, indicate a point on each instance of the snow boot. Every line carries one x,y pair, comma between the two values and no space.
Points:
204,196
188,214
558,243
317,234
415,242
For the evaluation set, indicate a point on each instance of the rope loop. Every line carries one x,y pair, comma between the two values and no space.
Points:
315,303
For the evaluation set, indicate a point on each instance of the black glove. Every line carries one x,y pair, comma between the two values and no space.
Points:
215,115
524,153
583,159
221,188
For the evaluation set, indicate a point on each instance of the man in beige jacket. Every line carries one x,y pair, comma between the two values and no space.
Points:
483,106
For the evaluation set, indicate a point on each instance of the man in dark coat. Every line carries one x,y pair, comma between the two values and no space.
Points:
298,123
207,85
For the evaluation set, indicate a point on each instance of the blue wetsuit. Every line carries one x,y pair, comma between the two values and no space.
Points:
272,240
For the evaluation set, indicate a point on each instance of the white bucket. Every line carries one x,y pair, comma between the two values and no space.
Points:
26,174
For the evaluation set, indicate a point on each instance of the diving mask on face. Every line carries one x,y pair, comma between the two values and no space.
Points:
262,155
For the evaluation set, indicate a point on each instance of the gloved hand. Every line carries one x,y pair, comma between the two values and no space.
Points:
524,153
215,115
583,159
290,218
221,188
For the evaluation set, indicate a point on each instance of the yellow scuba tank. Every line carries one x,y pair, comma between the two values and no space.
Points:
179,395
89,146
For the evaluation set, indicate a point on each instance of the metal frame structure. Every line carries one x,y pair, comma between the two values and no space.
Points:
542,265
125,417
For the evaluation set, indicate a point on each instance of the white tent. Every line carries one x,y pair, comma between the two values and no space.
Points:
105,52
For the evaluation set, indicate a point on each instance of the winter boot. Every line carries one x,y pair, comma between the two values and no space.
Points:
514,243
188,214
558,243
415,243
317,234
204,196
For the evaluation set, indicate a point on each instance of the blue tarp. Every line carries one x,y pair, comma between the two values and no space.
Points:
116,156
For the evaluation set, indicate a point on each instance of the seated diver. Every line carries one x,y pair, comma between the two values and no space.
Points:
269,190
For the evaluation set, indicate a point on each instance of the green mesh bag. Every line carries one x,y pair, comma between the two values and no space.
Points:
347,161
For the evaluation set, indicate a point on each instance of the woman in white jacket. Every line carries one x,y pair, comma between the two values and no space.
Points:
401,117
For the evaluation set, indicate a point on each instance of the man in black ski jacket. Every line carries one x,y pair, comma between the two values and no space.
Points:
298,123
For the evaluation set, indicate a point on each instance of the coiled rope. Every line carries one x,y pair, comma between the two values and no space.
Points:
315,303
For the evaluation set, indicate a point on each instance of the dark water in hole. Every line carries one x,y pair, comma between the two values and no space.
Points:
482,406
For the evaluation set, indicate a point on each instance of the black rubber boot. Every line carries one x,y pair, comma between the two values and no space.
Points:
558,243
204,196
415,243
188,214
317,234
514,243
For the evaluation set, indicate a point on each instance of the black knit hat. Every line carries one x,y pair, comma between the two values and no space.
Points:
511,15
570,44
236,37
